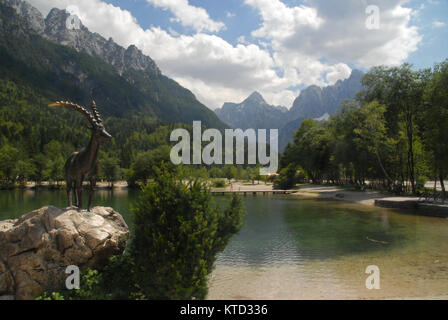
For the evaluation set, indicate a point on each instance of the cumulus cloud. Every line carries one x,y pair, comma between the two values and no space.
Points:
438,24
297,46
189,16
280,21
336,30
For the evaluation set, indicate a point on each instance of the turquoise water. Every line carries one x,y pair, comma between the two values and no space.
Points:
299,248
282,230
277,229
15,203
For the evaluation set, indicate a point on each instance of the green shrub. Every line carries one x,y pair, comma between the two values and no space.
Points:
219,184
178,234
286,179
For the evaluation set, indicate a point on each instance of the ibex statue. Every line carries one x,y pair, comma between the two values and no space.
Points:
83,165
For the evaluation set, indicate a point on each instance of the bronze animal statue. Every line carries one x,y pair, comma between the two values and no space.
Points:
83,165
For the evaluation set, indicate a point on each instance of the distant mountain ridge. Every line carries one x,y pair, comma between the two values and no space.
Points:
253,112
313,103
54,28
124,82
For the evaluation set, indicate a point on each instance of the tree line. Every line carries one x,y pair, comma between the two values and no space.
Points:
393,135
35,141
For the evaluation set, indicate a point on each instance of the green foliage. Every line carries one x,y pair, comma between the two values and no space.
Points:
434,122
390,136
51,296
287,178
143,165
310,149
110,283
24,171
230,172
219,184
110,169
178,233
8,158
253,173
400,89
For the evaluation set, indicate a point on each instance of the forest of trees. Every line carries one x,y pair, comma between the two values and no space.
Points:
35,141
394,135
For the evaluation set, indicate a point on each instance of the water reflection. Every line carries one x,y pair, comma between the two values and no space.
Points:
284,230
14,203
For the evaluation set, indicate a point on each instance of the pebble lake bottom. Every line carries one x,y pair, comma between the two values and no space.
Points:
295,248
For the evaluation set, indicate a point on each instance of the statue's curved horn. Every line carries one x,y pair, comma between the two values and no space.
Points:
78,108
96,114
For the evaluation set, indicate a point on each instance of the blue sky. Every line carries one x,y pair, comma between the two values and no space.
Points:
239,18
222,50
434,46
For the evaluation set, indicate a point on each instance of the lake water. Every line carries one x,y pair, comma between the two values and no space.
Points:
293,248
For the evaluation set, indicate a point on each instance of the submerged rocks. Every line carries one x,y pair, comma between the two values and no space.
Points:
36,249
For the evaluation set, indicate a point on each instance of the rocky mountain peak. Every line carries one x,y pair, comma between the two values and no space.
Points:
56,14
72,33
357,74
256,97
33,16
254,112
315,101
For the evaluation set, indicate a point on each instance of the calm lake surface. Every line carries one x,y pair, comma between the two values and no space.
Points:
294,248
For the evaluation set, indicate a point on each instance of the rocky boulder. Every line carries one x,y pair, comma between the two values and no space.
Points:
36,249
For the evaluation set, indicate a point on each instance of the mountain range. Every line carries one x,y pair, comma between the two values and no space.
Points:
253,112
313,103
76,64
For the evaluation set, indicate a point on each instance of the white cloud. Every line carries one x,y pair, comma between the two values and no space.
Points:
336,31
242,39
337,72
189,16
295,46
280,21
280,98
438,24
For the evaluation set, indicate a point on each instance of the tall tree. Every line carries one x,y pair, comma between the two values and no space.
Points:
400,89
435,116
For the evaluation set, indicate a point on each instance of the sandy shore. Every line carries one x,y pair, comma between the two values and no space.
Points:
246,186
323,192
99,185
335,193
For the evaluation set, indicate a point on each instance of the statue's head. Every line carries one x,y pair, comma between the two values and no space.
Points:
100,133
96,123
